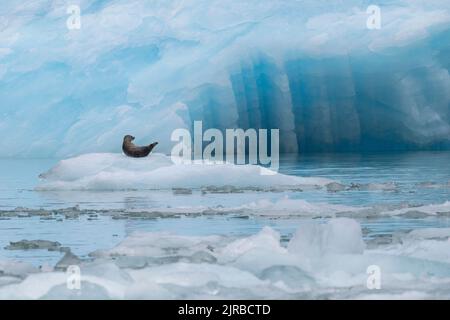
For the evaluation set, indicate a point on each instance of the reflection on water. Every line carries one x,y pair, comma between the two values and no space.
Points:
422,177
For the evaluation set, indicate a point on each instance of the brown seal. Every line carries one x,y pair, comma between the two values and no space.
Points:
131,150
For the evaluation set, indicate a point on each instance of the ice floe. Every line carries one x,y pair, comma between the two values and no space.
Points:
107,171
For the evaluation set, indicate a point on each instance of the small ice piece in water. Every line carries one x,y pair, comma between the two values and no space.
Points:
337,236
33,245
267,239
69,259
16,269
335,187
291,276
421,211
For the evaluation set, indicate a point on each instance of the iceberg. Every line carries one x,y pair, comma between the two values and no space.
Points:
311,69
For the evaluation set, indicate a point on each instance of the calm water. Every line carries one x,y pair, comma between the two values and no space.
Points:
421,178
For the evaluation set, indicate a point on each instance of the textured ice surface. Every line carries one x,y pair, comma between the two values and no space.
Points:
16,269
280,207
105,171
338,236
286,206
432,209
310,68
328,263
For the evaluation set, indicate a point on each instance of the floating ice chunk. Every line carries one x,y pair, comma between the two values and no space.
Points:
291,277
286,206
69,259
187,274
430,233
337,236
107,171
387,186
267,239
99,281
6,280
159,245
429,243
435,250
432,209
33,287
143,288
335,187
34,245
16,268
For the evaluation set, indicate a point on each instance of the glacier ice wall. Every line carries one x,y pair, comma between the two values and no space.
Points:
310,68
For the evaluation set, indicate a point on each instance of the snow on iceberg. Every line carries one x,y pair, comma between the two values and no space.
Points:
106,171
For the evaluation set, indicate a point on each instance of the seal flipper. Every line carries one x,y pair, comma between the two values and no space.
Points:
151,146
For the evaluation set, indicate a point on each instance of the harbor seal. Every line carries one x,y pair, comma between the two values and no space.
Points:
131,150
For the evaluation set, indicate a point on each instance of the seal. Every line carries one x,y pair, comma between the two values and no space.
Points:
131,150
